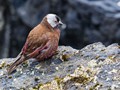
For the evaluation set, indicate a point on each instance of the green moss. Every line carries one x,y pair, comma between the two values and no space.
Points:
2,65
40,84
109,88
37,87
9,77
34,89
94,87
63,51
97,57
65,57
80,79
59,81
22,88
25,64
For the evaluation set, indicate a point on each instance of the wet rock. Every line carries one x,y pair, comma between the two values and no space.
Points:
93,67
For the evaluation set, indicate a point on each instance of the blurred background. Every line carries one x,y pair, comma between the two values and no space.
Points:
87,21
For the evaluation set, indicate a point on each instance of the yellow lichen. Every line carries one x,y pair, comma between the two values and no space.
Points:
81,76
9,77
95,87
65,57
2,64
92,63
80,79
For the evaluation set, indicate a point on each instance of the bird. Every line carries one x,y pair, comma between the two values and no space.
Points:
42,41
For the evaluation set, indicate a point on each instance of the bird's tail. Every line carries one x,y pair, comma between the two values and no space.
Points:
19,60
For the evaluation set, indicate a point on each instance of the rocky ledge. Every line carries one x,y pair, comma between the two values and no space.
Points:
95,67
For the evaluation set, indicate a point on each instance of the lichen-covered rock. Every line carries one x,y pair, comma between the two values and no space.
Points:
87,21
95,67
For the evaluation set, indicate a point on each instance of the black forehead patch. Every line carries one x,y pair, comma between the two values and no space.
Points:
58,19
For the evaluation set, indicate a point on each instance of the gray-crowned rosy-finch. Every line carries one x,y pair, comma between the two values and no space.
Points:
42,41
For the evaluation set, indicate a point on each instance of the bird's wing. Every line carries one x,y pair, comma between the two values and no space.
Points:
32,47
38,50
35,42
49,51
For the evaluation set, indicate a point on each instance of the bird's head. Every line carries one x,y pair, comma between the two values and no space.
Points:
54,21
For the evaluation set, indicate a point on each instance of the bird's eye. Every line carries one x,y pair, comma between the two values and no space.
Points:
56,21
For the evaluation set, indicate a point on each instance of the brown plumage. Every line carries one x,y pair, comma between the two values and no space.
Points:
42,41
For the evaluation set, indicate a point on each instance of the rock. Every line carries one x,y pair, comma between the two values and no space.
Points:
93,67
87,21
92,21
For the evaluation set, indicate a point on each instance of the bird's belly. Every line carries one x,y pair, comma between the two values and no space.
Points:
52,51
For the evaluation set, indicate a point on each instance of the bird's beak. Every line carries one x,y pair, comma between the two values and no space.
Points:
62,25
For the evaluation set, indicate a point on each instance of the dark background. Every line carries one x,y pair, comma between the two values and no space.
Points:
87,21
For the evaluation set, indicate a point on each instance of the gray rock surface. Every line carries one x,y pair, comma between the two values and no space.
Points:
95,67
87,21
